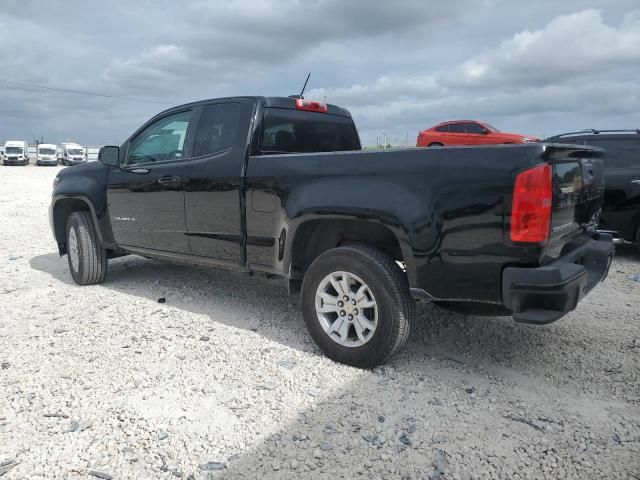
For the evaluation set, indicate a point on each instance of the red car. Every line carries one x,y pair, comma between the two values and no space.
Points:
467,132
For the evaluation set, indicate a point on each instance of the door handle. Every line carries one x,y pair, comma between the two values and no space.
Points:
139,170
169,180
637,182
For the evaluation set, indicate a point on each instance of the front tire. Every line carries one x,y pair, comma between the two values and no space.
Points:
436,144
86,257
357,305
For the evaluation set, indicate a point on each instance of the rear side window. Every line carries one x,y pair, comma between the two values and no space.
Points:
296,131
456,128
217,129
442,128
622,153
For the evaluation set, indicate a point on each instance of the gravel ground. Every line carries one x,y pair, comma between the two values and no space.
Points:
222,380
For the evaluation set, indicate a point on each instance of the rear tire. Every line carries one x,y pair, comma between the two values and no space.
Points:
86,257
436,144
375,285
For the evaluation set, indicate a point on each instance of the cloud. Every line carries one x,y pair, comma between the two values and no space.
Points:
576,66
221,42
570,46
398,66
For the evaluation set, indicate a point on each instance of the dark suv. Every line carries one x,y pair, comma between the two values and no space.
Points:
621,210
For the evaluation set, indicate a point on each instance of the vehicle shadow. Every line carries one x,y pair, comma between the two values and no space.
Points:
260,305
628,252
452,394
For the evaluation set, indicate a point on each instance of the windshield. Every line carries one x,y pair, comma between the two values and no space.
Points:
295,131
13,150
74,151
491,127
46,151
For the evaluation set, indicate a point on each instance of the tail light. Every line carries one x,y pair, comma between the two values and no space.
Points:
531,207
311,105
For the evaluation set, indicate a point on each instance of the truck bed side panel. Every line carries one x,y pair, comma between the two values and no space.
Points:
445,206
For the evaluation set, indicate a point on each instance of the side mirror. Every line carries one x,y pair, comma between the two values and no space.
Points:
486,131
109,155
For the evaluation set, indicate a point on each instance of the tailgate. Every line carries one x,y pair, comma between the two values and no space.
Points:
578,189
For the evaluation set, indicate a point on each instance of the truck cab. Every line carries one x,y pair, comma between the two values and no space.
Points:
47,154
16,152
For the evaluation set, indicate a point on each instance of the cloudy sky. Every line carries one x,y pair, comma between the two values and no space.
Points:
536,68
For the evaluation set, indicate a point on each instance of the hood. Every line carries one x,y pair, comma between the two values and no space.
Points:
83,168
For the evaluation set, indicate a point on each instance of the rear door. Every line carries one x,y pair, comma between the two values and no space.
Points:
146,193
621,211
457,134
213,190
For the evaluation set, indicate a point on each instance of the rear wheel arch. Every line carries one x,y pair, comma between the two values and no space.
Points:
316,236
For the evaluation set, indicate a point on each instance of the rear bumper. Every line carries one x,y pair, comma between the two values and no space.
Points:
545,294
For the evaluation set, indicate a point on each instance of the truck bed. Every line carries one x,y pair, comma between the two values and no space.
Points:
449,208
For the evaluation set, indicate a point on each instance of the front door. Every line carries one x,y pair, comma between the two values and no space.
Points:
145,193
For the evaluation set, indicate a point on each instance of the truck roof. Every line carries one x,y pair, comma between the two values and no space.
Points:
47,145
270,102
15,142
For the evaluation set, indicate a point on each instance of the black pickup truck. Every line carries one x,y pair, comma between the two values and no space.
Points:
281,186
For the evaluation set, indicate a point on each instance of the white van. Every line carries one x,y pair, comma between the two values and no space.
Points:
72,154
16,152
47,154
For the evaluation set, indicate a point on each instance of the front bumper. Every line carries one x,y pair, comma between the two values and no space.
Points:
13,161
545,294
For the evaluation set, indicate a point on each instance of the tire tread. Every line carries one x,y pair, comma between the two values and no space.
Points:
93,257
397,289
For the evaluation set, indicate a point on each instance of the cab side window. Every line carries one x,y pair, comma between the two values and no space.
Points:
161,141
217,129
443,128
473,127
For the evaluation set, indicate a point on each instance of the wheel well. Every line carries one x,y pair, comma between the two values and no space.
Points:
61,211
317,236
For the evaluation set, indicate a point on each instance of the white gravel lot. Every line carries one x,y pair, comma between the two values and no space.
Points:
222,380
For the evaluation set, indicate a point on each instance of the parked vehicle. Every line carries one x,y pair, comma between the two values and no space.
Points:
72,154
278,185
468,132
16,152
621,210
47,154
